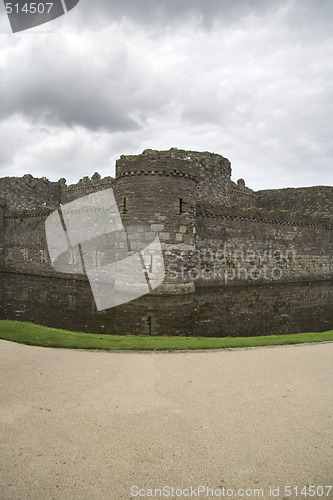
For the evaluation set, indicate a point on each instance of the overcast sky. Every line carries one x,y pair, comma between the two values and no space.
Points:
249,79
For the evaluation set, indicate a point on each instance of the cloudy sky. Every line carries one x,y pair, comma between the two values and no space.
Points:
249,79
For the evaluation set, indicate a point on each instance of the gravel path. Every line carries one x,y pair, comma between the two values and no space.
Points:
91,425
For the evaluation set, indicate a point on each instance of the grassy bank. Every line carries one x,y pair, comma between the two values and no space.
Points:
36,335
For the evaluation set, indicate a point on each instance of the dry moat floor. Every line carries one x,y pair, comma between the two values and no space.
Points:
90,425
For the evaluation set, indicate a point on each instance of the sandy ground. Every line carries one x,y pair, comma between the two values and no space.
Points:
91,425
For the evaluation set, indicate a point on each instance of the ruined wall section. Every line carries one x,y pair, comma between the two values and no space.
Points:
29,201
29,193
213,172
26,202
316,200
242,196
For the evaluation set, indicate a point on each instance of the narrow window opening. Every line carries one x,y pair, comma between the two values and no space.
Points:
125,206
181,206
151,264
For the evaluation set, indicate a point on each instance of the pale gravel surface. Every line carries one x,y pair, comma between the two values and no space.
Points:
89,425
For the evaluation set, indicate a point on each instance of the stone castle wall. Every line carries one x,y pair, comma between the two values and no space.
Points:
29,193
247,248
311,200
212,231
25,244
233,311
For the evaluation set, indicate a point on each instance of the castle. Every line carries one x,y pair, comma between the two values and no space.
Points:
212,230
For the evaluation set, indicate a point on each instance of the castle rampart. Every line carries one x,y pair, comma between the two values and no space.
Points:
212,230
316,200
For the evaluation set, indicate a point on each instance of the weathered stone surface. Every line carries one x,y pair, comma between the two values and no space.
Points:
212,230
157,227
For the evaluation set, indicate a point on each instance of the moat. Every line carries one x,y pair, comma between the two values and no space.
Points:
264,309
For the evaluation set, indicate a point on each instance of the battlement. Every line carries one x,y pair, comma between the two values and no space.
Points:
181,162
84,187
173,162
210,171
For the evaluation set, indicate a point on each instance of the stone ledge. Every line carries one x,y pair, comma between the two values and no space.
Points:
157,172
174,289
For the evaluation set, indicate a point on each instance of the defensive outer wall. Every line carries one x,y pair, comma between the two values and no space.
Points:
212,230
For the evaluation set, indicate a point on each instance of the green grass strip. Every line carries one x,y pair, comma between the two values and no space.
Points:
36,335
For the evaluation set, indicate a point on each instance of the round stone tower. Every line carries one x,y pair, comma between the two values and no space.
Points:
157,191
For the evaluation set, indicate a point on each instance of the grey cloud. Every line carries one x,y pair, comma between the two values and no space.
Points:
5,154
64,91
310,18
57,84
254,87
56,108
170,11
308,14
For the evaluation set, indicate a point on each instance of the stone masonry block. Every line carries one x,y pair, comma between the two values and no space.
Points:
157,227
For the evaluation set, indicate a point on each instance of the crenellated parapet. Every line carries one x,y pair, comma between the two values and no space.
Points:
84,187
210,171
